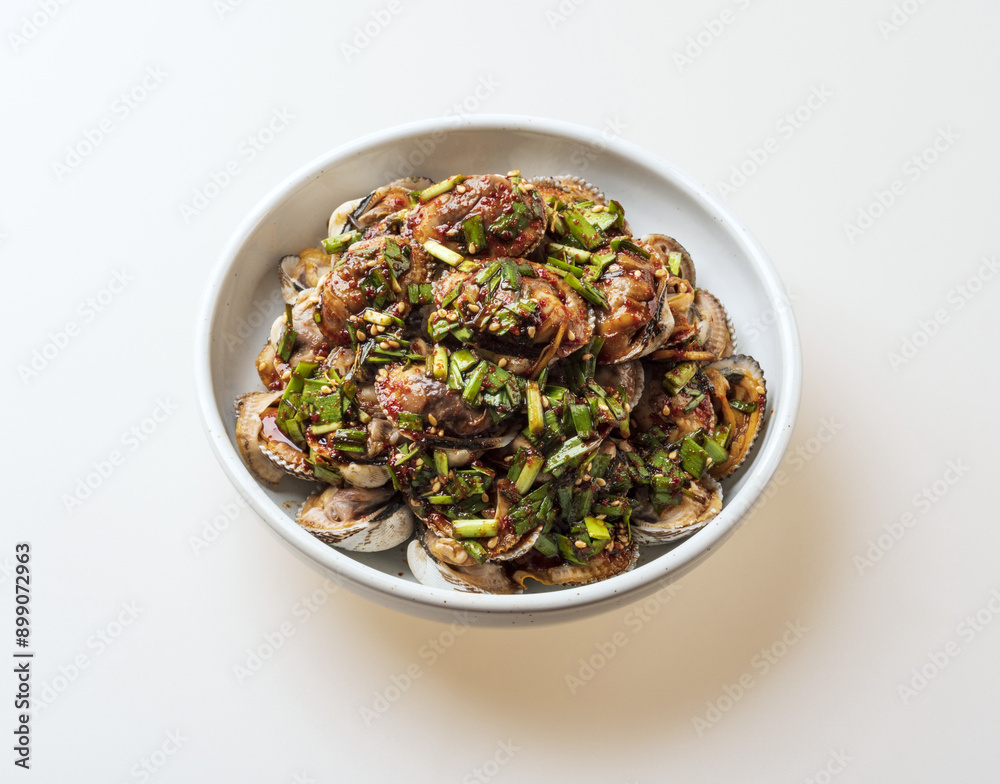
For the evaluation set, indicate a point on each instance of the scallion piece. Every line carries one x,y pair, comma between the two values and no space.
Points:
476,550
439,363
581,229
441,187
475,528
441,253
420,293
410,421
580,415
475,382
570,252
452,295
546,546
565,266
440,462
625,243
322,430
475,233
674,262
487,272
744,406
675,378
463,359
587,291
340,242
373,316
328,475
596,529
693,457
715,450
532,467
571,450
440,500
536,414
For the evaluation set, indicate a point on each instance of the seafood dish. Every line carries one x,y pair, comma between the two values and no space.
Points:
494,371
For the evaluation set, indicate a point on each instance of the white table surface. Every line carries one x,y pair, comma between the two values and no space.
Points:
793,654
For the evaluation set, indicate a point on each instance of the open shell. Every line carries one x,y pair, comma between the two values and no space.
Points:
738,377
663,246
368,210
701,502
715,332
471,578
365,521
601,567
249,407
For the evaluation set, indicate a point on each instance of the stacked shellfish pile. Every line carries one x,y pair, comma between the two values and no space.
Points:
497,370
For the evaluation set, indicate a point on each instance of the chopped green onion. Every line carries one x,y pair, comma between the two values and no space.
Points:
693,457
679,375
439,363
442,187
463,359
573,448
565,266
581,419
581,229
625,243
440,500
596,529
441,253
452,295
476,550
341,242
322,430
532,467
475,233
487,272
420,293
546,546
570,252
287,341
373,316
410,421
475,382
440,462
328,475
715,450
674,262
744,406
475,528
536,415
694,402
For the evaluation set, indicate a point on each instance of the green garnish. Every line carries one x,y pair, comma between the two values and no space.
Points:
536,414
744,406
442,187
340,242
475,528
441,253
475,382
678,376
475,233
581,229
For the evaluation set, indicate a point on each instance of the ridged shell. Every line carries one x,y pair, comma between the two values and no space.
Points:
478,578
663,246
383,529
628,374
682,520
287,458
751,387
714,327
601,567
575,187
248,429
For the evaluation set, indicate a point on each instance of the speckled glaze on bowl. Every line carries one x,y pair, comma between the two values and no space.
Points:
243,298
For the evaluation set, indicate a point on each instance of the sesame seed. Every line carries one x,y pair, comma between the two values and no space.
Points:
531,332
514,173
384,345
473,307
485,497
597,208
502,362
580,544
436,487
326,389
602,517
493,542
666,410
495,326
600,483
673,455
473,248
432,419
587,357
361,335
545,401
461,189
660,273
420,462
570,336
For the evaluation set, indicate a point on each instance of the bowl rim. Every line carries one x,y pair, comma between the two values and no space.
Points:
662,569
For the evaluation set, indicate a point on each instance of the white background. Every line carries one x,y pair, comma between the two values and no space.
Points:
900,382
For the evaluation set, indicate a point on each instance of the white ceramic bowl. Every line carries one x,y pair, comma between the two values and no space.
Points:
243,298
